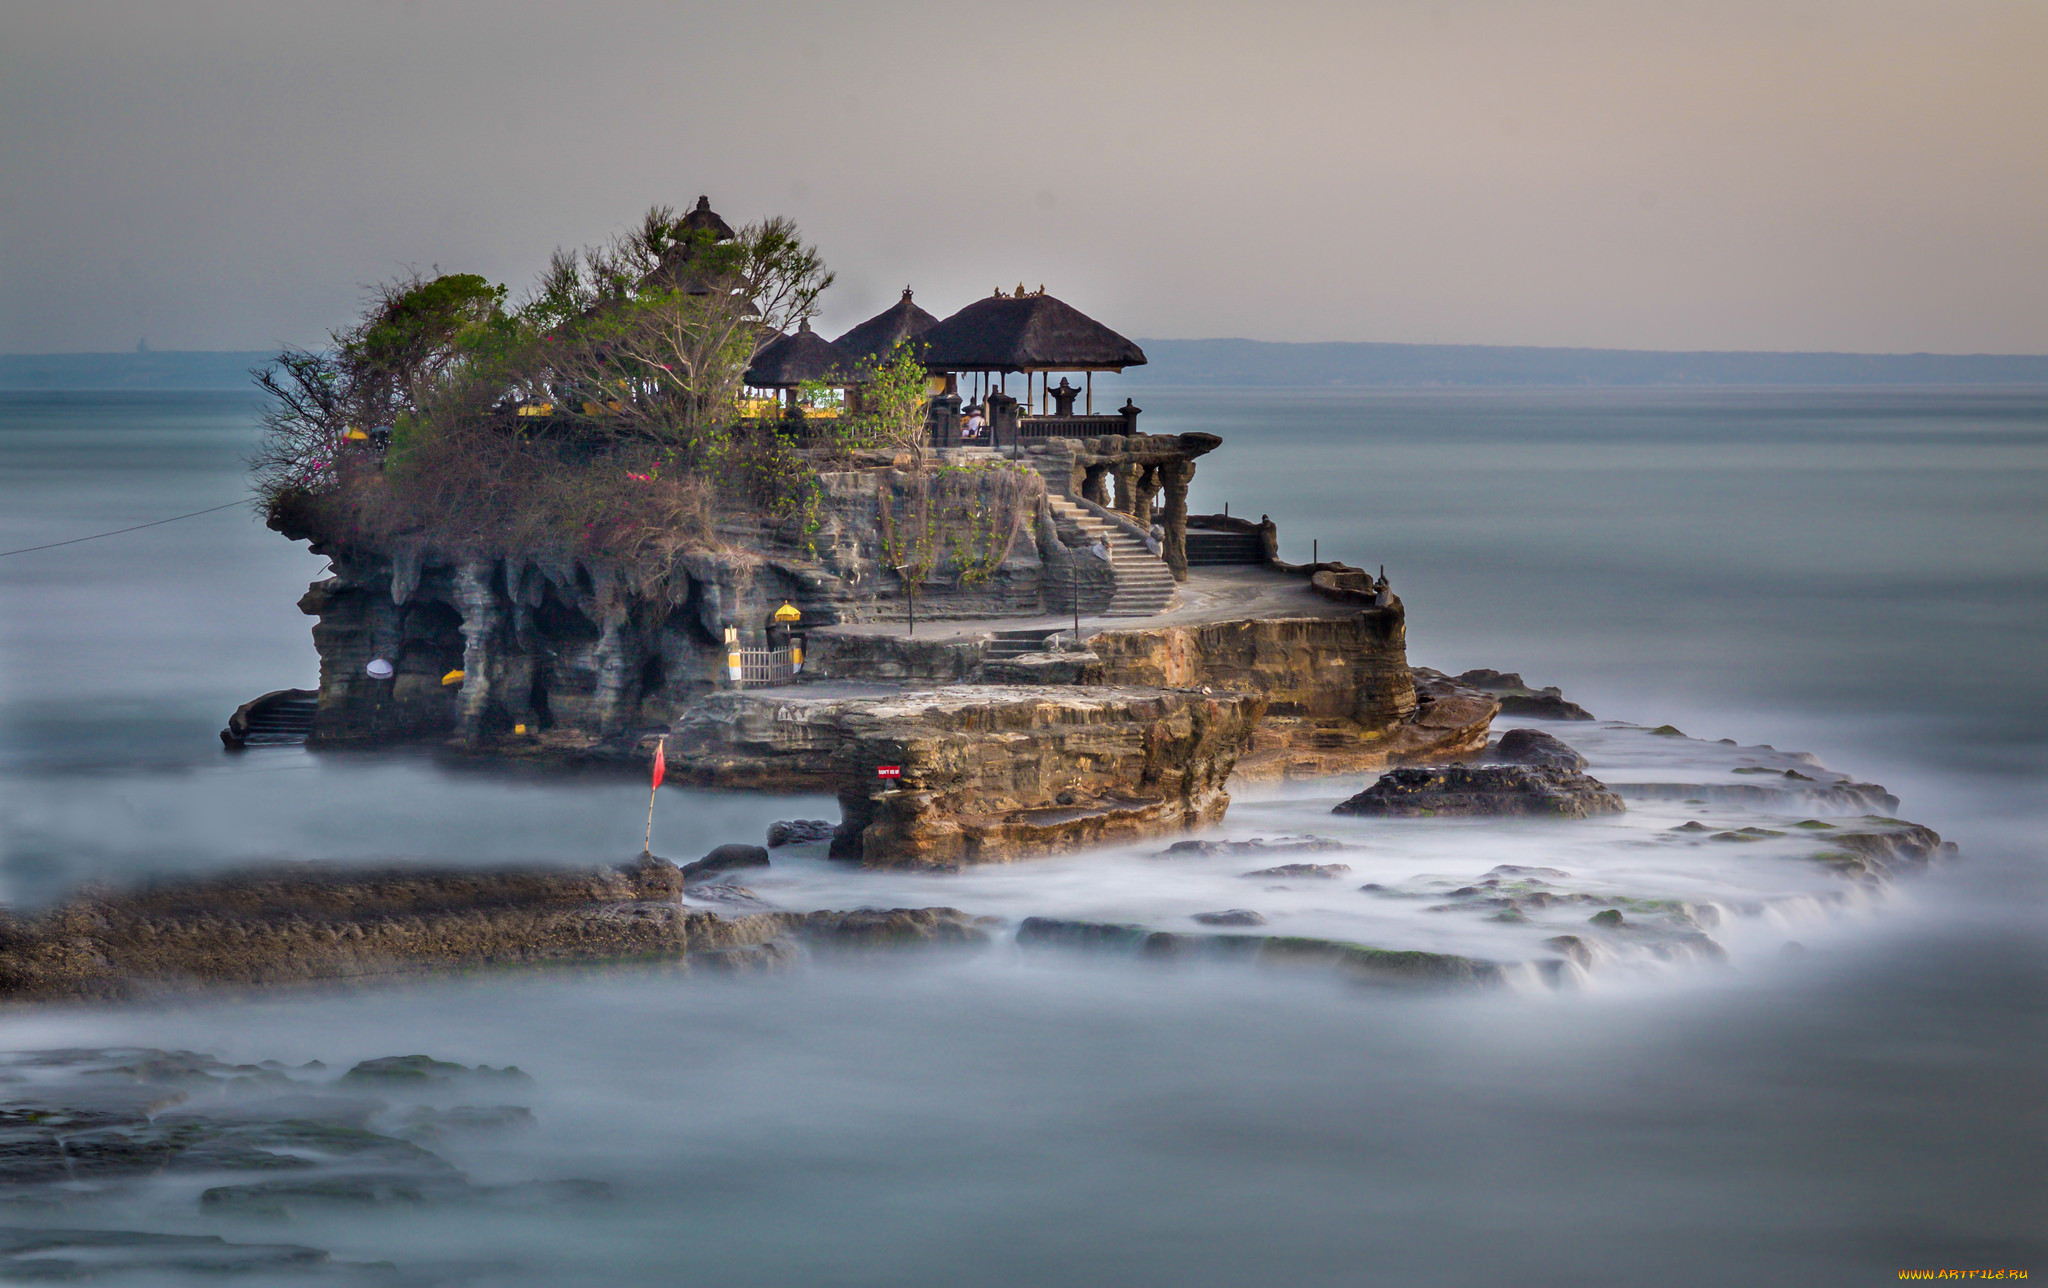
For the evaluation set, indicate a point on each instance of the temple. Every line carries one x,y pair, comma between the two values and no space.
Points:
1105,659
1123,489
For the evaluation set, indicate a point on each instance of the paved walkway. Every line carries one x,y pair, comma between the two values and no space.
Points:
1208,595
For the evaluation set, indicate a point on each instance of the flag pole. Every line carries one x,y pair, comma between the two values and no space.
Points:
660,763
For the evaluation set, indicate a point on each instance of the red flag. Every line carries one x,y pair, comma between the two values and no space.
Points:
660,761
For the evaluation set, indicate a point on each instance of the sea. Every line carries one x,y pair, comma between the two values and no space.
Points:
1859,1089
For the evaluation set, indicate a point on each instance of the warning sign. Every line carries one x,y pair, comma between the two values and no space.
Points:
888,771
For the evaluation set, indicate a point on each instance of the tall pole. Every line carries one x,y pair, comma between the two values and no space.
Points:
660,764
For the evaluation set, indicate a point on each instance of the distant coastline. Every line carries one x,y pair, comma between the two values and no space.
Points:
1248,363
147,370
1254,363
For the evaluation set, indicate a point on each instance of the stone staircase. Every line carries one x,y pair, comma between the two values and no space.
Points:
1009,644
279,719
1144,584
1210,549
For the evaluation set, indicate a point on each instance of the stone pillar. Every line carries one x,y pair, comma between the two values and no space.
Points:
483,630
1176,475
1095,486
618,658
1062,472
1126,474
1148,488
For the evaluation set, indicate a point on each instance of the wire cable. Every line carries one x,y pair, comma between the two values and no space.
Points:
118,531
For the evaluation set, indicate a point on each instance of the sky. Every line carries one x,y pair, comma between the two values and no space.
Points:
1864,176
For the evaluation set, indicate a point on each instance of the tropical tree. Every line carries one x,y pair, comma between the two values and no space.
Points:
651,334
894,396
419,338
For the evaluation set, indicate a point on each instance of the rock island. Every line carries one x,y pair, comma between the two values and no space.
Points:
651,507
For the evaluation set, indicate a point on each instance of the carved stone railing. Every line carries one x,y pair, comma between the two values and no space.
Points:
1071,426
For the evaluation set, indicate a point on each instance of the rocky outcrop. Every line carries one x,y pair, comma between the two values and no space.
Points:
1784,794
983,773
1359,961
299,925
1081,667
725,858
1484,791
1339,697
1535,747
1518,699
1022,774
471,647
81,1130
798,831
1258,845
1874,849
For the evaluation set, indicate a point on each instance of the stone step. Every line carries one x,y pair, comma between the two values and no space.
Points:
1018,643
1144,584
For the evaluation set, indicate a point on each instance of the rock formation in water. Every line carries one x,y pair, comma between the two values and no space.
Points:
982,772
301,926
1484,790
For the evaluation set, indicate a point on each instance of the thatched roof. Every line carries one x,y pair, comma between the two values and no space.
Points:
1026,333
873,339
674,271
704,219
789,360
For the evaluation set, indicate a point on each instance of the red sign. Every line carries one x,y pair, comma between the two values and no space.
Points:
888,771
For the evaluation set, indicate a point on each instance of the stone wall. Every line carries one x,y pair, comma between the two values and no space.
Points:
847,655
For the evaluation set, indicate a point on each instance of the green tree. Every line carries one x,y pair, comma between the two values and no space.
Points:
420,338
651,334
893,396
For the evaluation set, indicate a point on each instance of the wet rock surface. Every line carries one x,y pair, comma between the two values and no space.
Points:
1339,695
800,831
1361,961
310,925
1230,917
893,928
1484,791
986,773
85,1132
1517,698
1535,747
70,1256
725,858
1255,846
1315,871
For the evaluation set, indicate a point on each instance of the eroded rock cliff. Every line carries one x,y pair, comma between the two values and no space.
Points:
1339,694
984,773
416,642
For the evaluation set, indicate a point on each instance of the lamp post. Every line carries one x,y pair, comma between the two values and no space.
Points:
909,596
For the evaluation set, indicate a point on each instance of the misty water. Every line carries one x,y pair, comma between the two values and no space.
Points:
1858,575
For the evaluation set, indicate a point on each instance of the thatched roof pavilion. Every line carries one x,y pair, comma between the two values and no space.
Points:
1026,333
674,271
705,219
874,339
790,360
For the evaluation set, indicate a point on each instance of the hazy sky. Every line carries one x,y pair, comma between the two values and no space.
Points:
1858,175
